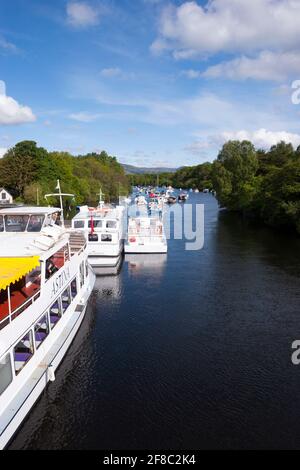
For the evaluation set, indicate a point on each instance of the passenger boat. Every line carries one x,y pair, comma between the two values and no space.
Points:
45,284
146,234
104,230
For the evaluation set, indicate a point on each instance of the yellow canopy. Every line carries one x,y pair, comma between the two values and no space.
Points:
13,269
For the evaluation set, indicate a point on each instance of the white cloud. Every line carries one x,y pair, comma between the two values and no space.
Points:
2,151
262,138
111,72
11,112
229,26
266,66
82,15
84,116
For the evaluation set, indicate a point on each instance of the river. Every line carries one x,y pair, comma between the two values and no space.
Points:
186,351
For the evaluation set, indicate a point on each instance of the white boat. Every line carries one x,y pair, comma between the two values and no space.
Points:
146,235
104,230
45,284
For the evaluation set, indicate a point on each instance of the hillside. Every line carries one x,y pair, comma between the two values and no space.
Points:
134,170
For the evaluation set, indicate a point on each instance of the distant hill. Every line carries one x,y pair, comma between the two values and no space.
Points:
134,170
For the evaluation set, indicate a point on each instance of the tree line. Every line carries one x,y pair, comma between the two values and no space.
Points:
260,184
29,172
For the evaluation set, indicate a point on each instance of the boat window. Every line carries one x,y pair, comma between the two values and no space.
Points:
86,269
74,288
23,351
4,308
111,224
93,237
55,262
79,224
6,374
106,237
35,223
41,330
16,223
55,313
66,299
97,223
1,224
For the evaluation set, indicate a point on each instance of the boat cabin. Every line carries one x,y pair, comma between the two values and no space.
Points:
104,225
28,219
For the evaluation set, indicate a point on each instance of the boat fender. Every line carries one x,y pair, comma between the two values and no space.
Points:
51,373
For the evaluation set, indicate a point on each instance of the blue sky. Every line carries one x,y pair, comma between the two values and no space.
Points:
153,82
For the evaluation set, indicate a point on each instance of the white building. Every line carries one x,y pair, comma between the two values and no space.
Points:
5,197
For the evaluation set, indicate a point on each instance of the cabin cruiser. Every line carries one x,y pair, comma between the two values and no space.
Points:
103,228
146,234
45,284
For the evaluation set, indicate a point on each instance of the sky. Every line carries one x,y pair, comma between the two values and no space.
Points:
153,82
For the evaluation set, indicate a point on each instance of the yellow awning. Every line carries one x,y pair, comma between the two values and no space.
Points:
13,269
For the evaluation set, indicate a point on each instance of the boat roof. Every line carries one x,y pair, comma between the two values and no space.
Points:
29,244
25,210
86,213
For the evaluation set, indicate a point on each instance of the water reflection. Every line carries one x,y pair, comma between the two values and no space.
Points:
108,286
141,264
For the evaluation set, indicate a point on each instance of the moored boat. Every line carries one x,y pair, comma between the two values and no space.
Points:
146,235
45,284
103,228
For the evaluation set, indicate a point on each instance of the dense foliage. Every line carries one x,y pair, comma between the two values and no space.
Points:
259,183
28,172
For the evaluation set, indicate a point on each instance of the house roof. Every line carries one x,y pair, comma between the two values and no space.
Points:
3,189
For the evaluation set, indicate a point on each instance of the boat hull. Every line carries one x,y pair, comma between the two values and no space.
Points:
149,248
37,382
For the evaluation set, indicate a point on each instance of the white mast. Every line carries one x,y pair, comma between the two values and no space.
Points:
101,201
60,195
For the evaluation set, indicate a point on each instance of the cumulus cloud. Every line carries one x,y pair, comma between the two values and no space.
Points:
262,138
266,66
82,15
11,112
229,26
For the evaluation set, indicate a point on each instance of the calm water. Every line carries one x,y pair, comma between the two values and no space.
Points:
186,351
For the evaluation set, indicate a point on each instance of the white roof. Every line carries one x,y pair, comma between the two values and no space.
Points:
31,244
24,210
86,213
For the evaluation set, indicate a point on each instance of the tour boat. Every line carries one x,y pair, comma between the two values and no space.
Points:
146,235
104,230
45,284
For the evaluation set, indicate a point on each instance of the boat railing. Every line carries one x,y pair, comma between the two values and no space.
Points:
15,313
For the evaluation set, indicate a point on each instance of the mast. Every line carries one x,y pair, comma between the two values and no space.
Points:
101,201
60,195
